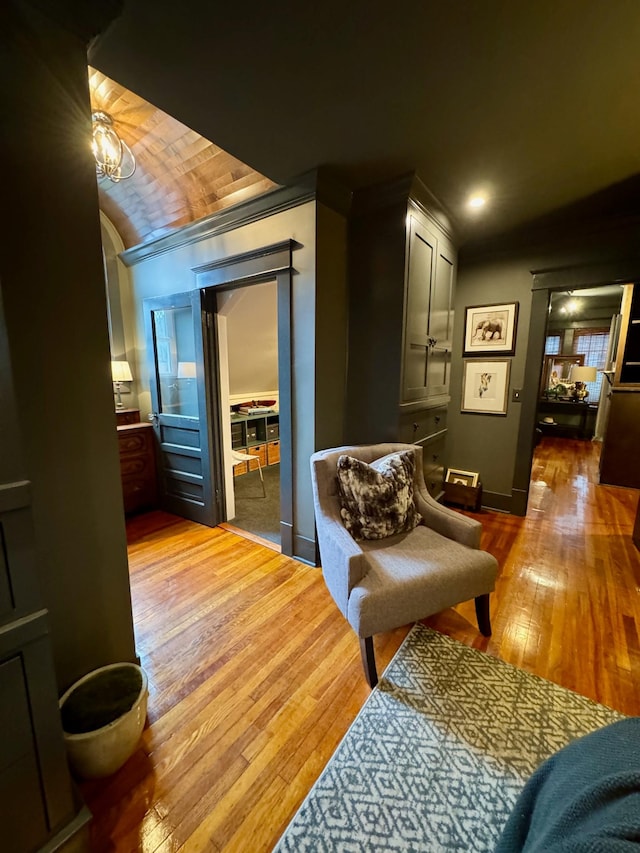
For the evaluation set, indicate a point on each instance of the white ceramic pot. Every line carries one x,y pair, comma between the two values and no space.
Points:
102,751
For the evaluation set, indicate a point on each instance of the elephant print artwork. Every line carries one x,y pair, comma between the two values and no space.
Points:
490,328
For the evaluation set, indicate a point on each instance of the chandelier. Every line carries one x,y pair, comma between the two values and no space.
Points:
114,158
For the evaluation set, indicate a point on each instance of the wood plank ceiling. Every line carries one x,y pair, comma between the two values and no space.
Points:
180,176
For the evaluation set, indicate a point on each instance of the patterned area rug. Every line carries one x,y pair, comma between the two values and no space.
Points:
438,754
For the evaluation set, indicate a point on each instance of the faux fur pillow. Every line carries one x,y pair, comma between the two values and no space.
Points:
376,500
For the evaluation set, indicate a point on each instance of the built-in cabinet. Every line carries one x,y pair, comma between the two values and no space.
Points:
428,312
38,807
620,457
402,273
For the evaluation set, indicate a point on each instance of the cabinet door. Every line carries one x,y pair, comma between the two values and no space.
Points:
430,278
421,265
441,321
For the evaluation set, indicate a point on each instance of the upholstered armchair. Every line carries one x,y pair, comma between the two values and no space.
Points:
381,584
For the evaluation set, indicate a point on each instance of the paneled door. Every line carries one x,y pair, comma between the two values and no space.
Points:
181,406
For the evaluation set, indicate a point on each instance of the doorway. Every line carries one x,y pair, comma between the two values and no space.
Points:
247,334
545,284
580,346
268,265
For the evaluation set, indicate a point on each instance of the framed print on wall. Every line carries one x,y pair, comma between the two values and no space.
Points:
490,328
485,386
461,478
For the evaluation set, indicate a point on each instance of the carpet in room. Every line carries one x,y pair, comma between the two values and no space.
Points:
435,759
254,512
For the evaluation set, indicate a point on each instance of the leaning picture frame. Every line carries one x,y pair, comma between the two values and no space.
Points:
461,478
490,329
485,386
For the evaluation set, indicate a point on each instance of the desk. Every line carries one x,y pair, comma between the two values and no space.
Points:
572,420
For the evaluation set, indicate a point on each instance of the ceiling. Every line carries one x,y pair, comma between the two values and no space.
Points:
533,101
180,176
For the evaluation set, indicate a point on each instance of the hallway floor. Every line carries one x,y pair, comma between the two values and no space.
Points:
256,512
255,676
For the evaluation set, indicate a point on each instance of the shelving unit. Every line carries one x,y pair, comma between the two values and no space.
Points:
620,456
258,435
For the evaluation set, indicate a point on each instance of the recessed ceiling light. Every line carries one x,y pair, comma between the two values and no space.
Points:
476,201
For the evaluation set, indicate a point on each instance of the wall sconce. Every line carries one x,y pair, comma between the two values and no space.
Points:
114,158
120,372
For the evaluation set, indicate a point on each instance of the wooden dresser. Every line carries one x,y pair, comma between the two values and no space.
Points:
137,462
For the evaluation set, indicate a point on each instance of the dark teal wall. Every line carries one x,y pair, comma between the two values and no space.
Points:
54,295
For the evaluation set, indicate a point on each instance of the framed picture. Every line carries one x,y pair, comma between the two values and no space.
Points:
556,375
485,386
490,328
461,478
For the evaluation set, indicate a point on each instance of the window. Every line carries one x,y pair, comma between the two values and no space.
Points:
552,345
593,344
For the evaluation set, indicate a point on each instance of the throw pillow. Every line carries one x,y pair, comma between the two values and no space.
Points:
376,500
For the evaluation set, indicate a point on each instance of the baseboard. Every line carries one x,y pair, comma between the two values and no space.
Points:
305,550
497,501
519,502
72,838
286,538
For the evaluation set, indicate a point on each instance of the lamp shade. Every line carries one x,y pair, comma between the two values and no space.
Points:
186,370
584,374
121,372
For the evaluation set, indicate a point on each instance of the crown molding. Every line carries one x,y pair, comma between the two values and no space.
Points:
267,204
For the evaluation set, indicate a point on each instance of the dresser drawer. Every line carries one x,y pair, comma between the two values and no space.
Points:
133,442
127,416
416,426
138,493
137,466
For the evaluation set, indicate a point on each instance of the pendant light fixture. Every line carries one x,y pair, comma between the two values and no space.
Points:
114,158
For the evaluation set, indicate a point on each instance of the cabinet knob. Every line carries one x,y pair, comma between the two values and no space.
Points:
435,457
437,419
415,427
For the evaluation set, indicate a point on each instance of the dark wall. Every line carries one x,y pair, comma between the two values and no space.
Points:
54,295
489,443
331,326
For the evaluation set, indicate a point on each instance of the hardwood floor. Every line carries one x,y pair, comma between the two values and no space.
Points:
254,676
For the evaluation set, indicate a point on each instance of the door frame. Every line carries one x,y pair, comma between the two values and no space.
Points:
545,282
269,263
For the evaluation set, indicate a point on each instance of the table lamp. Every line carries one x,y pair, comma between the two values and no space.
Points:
580,376
120,372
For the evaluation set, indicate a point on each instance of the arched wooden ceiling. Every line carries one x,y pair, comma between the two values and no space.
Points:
180,176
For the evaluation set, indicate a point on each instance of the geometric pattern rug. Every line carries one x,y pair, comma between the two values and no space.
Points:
435,759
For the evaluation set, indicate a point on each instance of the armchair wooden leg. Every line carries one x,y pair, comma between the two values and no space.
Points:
482,614
369,661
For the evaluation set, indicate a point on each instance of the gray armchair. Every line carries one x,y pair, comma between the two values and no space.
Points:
382,584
